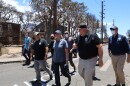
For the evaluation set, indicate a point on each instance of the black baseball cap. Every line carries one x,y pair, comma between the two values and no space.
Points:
83,25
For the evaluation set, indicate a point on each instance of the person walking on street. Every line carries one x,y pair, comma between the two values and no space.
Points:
70,42
118,47
26,49
52,50
40,50
60,58
89,49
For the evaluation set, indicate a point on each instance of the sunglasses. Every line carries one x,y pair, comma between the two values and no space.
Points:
113,29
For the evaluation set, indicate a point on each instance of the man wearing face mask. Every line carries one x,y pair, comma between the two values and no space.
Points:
70,42
118,47
52,50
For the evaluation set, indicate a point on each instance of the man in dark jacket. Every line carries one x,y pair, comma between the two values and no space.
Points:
118,47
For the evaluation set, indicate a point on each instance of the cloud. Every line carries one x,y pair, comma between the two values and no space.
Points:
22,7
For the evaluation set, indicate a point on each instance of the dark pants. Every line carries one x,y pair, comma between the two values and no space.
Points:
26,54
71,61
57,73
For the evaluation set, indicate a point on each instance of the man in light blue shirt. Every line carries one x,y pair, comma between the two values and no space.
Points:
26,51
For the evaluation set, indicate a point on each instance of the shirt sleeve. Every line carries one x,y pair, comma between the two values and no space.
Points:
45,43
126,45
65,44
97,40
109,47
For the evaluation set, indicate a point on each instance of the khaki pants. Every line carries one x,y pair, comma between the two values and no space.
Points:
86,70
118,65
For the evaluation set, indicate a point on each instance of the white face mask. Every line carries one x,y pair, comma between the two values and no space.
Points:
66,35
113,32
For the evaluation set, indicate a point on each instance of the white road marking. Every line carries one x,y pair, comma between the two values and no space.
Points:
106,65
15,85
42,78
27,83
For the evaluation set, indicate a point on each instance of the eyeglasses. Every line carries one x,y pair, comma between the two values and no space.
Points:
112,29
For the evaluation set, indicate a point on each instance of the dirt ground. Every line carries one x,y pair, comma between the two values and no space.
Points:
10,52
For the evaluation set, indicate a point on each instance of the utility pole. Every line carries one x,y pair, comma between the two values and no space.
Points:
102,16
113,22
55,15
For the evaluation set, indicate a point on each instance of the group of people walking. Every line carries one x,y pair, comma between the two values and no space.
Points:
90,51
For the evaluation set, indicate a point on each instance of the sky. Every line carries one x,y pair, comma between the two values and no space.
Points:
116,10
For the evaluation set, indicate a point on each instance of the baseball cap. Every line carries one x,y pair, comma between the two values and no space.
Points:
113,28
36,33
83,25
57,32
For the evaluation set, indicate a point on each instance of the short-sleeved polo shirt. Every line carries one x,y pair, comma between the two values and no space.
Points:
87,46
39,49
26,42
59,50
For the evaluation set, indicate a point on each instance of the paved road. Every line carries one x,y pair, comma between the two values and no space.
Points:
14,74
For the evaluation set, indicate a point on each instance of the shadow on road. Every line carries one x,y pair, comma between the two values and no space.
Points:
42,83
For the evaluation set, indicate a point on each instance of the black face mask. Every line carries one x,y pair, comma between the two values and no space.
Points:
52,38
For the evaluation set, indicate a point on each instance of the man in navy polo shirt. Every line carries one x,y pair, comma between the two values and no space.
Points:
118,47
60,57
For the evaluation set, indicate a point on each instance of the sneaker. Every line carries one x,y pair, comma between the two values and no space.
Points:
37,81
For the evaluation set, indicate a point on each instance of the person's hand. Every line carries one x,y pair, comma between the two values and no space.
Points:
100,62
110,54
128,59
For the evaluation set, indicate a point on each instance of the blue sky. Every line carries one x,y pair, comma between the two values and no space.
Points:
114,9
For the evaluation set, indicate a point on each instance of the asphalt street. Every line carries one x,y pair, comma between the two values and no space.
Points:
14,74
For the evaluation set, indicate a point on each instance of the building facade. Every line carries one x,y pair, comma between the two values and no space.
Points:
9,33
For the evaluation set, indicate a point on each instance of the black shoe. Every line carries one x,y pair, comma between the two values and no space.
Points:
25,64
38,81
123,85
116,85
69,79
51,77
41,69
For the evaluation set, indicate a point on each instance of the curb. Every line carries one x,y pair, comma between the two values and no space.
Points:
10,62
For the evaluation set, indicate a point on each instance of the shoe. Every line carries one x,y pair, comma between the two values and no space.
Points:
69,79
41,69
25,64
123,85
116,85
51,77
37,81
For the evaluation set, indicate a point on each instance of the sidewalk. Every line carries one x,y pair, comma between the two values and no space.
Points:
11,60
